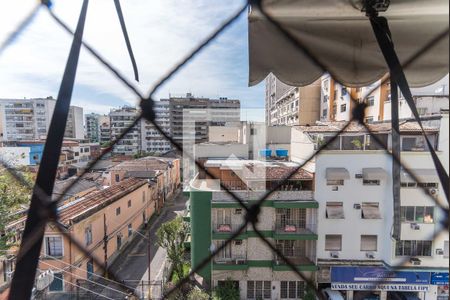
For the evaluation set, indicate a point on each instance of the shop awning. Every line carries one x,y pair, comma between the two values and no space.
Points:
341,38
370,211
374,173
423,175
337,174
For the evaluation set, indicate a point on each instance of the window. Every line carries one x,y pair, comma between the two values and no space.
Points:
333,242
343,107
130,230
117,211
143,196
369,243
334,210
413,248
343,91
117,177
259,290
371,101
129,203
225,253
119,241
325,113
414,143
292,289
90,268
57,284
335,182
370,210
369,120
88,235
417,214
371,182
54,246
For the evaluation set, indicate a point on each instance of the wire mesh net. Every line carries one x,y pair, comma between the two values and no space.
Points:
100,289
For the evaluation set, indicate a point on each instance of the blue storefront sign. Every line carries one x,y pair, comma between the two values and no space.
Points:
439,278
378,278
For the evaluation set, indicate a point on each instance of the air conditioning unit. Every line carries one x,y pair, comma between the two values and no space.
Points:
238,211
439,252
357,206
370,255
238,242
358,176
415,261
415,226
433,191
334,188
334,254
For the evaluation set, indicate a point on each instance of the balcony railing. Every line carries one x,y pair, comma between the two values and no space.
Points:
295,227
233,260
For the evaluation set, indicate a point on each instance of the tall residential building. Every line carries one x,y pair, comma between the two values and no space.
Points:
288,105
194,115
151,139
288,219
104,127
92,127
336,103
121,119
353,188
29,119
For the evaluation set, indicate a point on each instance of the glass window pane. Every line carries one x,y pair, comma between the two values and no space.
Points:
284,289
410,213
292,289
419,214
267,290
429,214
250,289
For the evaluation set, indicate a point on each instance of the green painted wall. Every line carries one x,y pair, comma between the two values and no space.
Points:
200,202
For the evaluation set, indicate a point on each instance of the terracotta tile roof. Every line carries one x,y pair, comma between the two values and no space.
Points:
275,173
354,126
144,164
84,207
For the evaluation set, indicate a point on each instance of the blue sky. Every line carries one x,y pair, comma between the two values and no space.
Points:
161,33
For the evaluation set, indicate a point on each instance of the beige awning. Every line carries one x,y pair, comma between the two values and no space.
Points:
374,173
370,211
335,210
423,175
340,36
337,174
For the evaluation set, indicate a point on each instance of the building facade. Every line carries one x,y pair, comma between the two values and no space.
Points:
287,105
336,103
92,126
29,119
152,141
288,219
354,191
121,119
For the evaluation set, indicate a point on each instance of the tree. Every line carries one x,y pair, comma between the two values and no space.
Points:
197,294
14,196
171,236
226,291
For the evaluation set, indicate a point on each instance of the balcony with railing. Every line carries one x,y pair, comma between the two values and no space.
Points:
300,253
296,223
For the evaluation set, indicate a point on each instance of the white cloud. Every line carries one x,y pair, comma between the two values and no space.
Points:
161,33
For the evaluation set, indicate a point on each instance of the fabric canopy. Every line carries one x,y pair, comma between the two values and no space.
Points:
337,174
424,175
374,173
340,36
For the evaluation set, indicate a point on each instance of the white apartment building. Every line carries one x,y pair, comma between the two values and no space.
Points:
353,187
151,139
336,103
288,105
121,119
29,119
104,127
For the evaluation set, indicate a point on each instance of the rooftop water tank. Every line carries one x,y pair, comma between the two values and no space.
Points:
265,153
281,152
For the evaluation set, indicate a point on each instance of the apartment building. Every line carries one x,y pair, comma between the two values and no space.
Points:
92,127
288,219
336,103
356,252
152,140
192,115
104,221
121,119
104,126
29,119
288,105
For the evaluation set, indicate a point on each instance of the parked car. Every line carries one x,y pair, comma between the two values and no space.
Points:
332,295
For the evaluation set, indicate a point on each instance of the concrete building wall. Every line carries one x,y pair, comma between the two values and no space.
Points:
309,105
223,134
